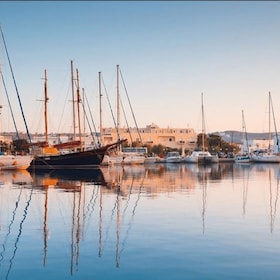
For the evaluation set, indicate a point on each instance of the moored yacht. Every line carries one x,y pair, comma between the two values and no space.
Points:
201,157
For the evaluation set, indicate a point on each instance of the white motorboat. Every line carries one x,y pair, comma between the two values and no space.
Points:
240,158
173,157
201,157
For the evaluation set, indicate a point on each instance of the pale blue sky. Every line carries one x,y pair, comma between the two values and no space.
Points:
169,52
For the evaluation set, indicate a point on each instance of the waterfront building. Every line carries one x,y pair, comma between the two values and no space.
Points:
174,138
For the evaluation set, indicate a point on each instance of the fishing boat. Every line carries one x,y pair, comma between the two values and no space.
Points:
69,155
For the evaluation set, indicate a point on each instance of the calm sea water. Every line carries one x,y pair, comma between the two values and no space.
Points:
156,222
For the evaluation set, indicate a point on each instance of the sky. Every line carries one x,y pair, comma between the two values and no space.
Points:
169,53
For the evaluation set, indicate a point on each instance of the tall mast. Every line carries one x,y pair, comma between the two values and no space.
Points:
45,105
19,100
118,99
78,108
1,106
269,128
245,138
274,122
73,99
203,122
84,115
100,106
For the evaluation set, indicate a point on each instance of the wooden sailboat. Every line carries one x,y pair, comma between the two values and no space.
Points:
54,158
269,155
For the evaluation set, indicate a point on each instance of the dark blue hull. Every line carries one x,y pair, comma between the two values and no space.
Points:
74,160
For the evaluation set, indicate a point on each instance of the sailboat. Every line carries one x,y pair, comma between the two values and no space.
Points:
244,156
268,155
61,156
198,156
127,155
11,161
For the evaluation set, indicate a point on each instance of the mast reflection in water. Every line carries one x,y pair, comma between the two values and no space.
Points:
144,222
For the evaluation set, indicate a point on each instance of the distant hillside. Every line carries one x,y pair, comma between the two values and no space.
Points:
237,136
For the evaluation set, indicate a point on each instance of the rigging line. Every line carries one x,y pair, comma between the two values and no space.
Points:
245,131
277,141
131,108
91,117
91,132
23,116
110,106
126,122
63,109
19,233
9,227
5,88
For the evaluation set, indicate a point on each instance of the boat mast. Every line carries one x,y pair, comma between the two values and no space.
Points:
1,106
78,108
245,138
45,106
100,106
73,99
203,123
16,88
118,99
274,122
269,128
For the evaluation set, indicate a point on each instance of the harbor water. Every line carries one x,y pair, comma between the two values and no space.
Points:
162,221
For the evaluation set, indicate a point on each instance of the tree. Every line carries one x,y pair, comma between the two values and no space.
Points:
158,149
20,145
214,143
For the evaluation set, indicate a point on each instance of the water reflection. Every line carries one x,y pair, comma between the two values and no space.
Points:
274,194
101,212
